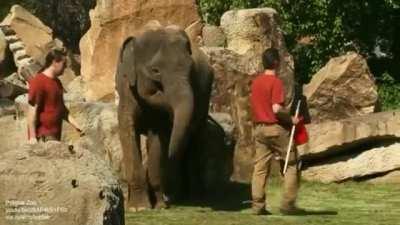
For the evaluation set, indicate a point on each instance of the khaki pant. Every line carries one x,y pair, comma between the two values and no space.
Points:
272,140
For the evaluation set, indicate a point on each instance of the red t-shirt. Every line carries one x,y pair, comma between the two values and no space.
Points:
266,90
47,93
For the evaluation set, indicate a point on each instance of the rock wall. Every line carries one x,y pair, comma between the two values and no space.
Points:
112,21
248,33
72,183
357,148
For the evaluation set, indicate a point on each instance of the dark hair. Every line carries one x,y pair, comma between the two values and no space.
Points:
270,57
54,55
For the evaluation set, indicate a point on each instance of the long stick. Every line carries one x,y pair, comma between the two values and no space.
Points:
291,139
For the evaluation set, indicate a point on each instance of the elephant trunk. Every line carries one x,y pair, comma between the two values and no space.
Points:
182,115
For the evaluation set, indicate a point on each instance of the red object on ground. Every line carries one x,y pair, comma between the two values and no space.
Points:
47,93
300,134
266,90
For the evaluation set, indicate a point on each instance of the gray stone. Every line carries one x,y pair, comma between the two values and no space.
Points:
3,47
75,185
392,177
213,36
343,88
75,90
329,138
249,32
355,166
9,90
7,107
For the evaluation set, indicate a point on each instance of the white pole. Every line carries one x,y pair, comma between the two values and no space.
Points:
291,139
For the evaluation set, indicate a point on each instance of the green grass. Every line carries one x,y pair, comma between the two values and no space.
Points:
334,204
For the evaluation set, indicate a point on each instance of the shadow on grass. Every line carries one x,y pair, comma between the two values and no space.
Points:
237,197
232,197
316,213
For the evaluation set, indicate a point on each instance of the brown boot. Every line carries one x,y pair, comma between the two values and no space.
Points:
261,212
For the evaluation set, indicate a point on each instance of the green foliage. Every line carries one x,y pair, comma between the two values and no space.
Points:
4,8
389,92
370,27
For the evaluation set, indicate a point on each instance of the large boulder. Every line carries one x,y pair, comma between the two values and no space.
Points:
357,148
11,87
9,90
392,177
343,88
75,90
37,37
225,121
3,47
16,80
213,36
230,96
69,19
14,132
29,41
7,107
229,58
249,32
100,124
58,184
329,138
112,21
356,165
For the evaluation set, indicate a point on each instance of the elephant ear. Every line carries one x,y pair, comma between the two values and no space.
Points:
126,64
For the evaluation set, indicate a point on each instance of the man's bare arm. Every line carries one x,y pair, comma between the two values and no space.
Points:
32,121
71,120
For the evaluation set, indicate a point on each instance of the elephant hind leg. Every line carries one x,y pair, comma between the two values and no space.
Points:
154,172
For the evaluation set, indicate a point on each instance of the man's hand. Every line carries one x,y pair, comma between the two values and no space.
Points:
276,108
295,120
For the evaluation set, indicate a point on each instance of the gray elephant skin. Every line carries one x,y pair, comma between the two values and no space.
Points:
164,87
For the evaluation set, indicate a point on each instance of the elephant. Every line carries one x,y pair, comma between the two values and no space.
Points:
163,85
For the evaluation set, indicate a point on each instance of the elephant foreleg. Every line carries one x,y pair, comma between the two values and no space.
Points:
138,198
156,146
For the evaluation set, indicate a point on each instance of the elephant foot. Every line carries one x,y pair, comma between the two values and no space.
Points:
137,209
160,202
138,201
161,205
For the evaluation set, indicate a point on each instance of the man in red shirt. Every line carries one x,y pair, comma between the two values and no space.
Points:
46,103
272,125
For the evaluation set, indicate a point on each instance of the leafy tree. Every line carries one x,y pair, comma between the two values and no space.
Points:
332,27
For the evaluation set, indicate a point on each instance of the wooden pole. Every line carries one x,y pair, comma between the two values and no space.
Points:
291,139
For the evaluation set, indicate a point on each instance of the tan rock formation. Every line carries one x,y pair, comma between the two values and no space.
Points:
111,23
343,88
